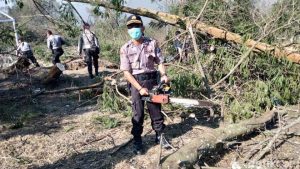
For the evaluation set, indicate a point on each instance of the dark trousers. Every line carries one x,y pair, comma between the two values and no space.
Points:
56,53
154,109
29,55
91,57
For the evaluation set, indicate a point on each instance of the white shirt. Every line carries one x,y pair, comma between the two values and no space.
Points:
87,40
23,47
54,42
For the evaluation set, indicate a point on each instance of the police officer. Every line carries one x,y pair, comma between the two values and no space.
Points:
54,43
25,50
88,42
178,44
137,58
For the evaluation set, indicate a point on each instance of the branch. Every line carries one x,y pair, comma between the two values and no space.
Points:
182,22
187,155
270,144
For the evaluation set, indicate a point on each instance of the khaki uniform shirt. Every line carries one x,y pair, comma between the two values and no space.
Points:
140,59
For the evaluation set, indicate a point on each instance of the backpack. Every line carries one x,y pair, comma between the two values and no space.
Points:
62,41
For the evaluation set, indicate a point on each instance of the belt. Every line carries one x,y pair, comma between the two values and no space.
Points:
146,76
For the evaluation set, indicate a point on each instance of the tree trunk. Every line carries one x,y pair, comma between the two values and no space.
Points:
190,153
183,22
52,75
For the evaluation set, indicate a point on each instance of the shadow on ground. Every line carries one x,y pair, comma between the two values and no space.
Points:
42,114
107,159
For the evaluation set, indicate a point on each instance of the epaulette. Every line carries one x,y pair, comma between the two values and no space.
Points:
127,44
148,39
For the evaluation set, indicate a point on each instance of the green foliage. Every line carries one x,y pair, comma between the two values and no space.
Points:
107,122
68,20
20,4
109,101
184,83
111,39
261,82
7,38
127,112
42,53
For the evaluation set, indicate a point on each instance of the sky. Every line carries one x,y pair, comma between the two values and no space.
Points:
84,9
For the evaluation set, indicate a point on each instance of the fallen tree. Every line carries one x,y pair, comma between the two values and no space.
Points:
189,154
184,22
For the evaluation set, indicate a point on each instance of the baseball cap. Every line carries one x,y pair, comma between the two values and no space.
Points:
134,19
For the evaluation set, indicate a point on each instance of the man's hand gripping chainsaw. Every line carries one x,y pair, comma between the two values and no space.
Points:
159,93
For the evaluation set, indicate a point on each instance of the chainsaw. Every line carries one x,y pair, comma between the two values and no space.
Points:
161,94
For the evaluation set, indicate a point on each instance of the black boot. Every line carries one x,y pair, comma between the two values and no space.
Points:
160,139
138,147
96,72
91,76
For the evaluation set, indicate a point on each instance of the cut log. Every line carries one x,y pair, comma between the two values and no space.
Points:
75,64
183,22
190,153
53,74
21,64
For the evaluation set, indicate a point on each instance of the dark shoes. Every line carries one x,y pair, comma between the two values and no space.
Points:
96,74
138,148
160,139
37,65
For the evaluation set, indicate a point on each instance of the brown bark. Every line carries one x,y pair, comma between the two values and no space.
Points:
189,153
52,75
21,64
183,22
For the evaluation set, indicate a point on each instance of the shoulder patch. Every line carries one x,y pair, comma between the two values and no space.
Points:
157,50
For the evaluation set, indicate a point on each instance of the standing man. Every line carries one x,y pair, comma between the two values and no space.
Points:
181,47
178,45
88,42
138,57
54,43
25,50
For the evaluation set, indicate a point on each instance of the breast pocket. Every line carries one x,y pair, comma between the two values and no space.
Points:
150,60
133,60
132,57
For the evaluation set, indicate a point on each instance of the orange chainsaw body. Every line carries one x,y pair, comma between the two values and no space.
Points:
160,98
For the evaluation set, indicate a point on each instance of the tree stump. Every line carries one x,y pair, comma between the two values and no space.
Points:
54,73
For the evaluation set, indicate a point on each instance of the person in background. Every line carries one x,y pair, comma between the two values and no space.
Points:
24,50
137,59
182,46
178,44
88,42
54,43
